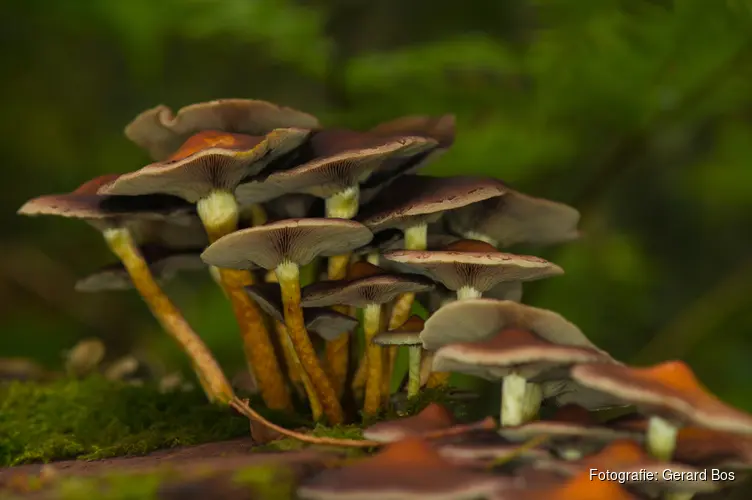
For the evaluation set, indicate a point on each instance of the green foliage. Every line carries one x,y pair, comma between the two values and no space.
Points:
95,418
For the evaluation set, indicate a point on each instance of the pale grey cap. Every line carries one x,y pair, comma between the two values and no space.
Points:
161,132
293,240
407,334
360,292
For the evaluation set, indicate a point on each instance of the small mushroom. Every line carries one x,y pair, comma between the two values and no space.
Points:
116,217
84,358
161,132
164,264
670,394
22,369
433,417
515,218
572,432
406,470
521,359
407,335
472,267
369,290
284,246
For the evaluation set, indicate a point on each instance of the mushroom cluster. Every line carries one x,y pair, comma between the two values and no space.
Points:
257,193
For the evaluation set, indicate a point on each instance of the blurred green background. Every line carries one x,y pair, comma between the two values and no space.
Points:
637,112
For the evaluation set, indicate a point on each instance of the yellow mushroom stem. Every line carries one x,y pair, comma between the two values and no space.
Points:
342,205
371,327
288,275
293,371
219,214
210,375
660,438
296,372
413,372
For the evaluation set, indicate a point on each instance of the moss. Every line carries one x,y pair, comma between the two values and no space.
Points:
340,432
96,418
270,482
113,486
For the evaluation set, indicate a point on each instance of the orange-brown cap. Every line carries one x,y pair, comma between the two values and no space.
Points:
433,417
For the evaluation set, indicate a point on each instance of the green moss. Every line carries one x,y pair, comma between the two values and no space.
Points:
113,486
270,482
339,432
96,418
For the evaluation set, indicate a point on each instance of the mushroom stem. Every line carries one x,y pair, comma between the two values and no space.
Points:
416,237
215,383
371,326
660,438
219,214
288,275
342,205
533,399
298,372
373,257
413,373
468,292
474,235
293,368
513,390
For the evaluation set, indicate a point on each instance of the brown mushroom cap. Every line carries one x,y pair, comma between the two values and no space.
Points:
208,161
294,240
337,167
484,448
433,417
164,264
404,470
377,288
475,264
669,390
512,351
161,132
479,319
417,199
406,334
84,203
580,487
516,218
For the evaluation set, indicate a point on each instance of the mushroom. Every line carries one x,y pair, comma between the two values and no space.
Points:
284,246
406,335
485,448
205,171
161,132
164,264
472,267
572,432
84,358
340,160
515,218
434,417
670,394
475,320
517,356
116,217
580,487
405,470
369,289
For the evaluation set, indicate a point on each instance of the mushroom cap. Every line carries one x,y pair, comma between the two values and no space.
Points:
418,199
512,351
293,240
361,291
84,203
406,334
433,417
479,319
506,290
404,470
706,447
328,175
328,323
517,218
268,296
394,239
580,487
483,448
161,132
208,161
668,389
471,263
164,264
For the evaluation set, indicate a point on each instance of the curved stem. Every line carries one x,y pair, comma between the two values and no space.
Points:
210,375
298,372
219,214
293,368
288,275
413,373
371,326
660,438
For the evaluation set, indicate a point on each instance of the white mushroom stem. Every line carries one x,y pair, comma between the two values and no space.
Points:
570,454
660,438
215,384
219,213
416,237
343,205
468,292
413,372
474,235
513,390
288,275
371,327
533,399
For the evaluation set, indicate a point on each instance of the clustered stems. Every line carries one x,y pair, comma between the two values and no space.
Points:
371,327
661,438
296,371
288,275
210,375
413,380
219,214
